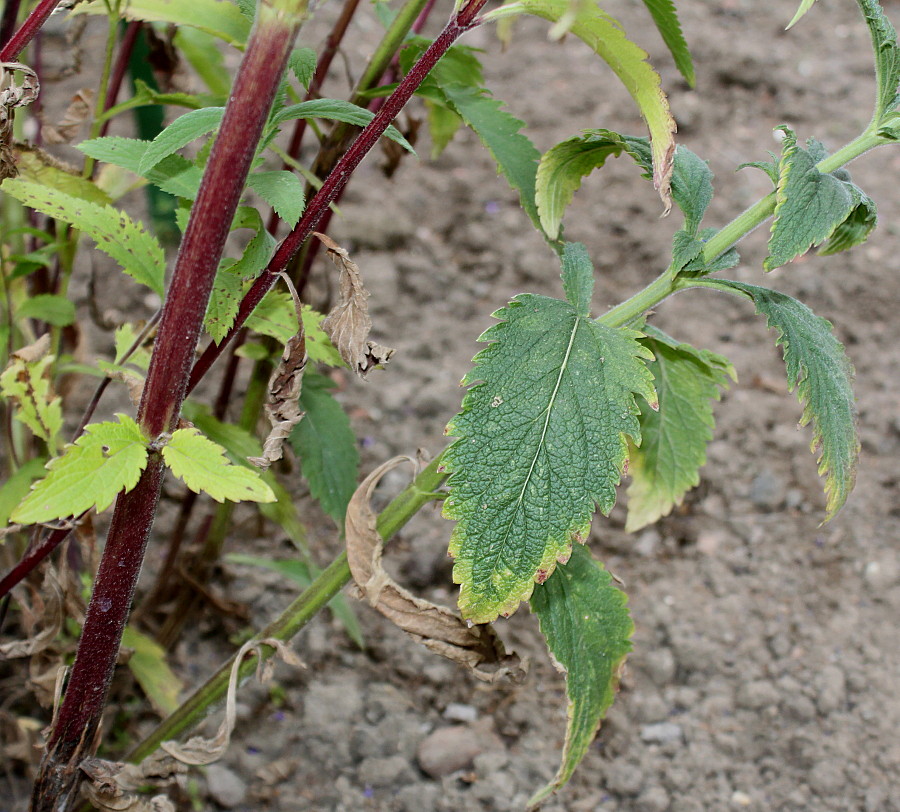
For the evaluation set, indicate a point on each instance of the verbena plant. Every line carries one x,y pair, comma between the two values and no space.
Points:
560,401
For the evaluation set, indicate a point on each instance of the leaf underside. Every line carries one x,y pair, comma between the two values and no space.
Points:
586,624
540,442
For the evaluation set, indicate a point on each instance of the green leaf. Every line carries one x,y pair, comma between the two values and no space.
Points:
112,149
674,442
220,18
107,459
27,383
302,63
224,302
338,110
887,57
812,207
458,66
540,442
499,131
326,446
805,5
55,310
179,134
35,167
147,96
666,19
822,374
578,277
588,629
124,338
17,486
116,234
689,250
148,665
199,48
282,190
318,345
443,124
204,468
605,37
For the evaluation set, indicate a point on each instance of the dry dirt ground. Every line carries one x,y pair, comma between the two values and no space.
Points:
767,650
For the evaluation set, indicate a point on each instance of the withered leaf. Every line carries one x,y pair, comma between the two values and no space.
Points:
67,128
48,610
348,324
282,401
12,96
112,784
437,627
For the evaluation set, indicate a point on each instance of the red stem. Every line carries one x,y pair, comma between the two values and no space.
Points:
368,138
73,736
30,27
8,20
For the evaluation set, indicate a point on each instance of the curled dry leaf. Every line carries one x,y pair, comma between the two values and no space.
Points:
436,627
348,324
12,96
282,402
200,751
67,128
47,611
35,351
112,784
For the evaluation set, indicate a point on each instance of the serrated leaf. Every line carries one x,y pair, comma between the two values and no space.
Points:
106,459
603,34
666,19
16,487
499,131
274,316
220,18
811,206
179,134
224,302
302,63
459,65
204,468
674,442
282,190
326,447
586,624
116,234
56,310
27,383
148,665
540,442
338,110
696,265
822,375
36,166
887,57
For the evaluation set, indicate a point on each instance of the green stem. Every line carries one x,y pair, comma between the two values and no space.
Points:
403,507
100,101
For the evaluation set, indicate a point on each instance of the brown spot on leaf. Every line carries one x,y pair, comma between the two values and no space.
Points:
541,576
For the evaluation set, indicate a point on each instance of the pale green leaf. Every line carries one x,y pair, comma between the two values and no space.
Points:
56,310
605,37
282,190
199,48
887,57
588,629
27,383
16,487
666,19
338,110
302,63
805,5
318,345
36,167
274,316
822,374
812,207
148,665
674,438
220,18
443,124
540,443
124,339
107,459
204,468
326,447
116,234
179,134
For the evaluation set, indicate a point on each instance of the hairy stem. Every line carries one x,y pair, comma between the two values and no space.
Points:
330,581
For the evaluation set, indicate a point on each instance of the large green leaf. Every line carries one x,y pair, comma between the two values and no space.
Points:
116,234
674,438
15,488
586,624
822,374
148,665
813,207
540,442
326,446
666,19
179,134
105,460
605,37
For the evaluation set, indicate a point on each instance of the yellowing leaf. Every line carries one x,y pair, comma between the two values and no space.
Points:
148,664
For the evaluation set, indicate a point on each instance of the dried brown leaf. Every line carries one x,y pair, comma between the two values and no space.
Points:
47,612
348,324
437,627
283,399
12,96
200,751
112,784
35,351
68,127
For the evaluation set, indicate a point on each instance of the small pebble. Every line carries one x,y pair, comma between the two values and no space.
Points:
225,787
662,733
459,712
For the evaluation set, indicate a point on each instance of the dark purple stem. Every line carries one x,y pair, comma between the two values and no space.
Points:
365,141
73,736
30,27
8,20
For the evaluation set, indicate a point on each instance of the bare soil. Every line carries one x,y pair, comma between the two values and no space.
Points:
767,649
